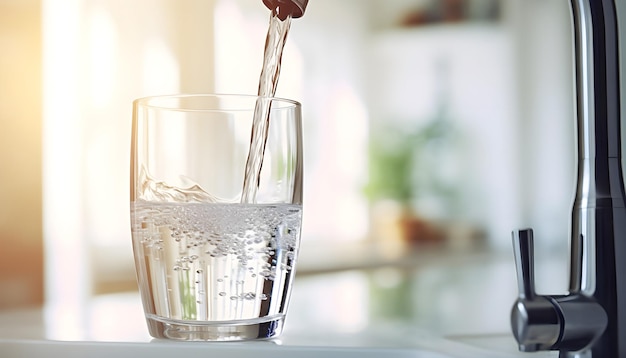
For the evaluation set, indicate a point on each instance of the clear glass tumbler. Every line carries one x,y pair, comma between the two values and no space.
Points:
212,266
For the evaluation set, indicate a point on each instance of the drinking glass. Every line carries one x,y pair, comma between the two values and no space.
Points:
210,265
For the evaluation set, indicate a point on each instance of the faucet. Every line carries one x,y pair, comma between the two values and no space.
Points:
589,321
284,8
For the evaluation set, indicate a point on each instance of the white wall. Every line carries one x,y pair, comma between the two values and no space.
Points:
543,33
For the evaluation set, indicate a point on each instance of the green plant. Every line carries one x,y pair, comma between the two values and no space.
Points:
390,155
404,163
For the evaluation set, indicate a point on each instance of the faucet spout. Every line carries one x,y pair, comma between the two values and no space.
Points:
284,8
592,317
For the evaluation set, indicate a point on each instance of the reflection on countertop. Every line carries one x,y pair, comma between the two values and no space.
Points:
441,290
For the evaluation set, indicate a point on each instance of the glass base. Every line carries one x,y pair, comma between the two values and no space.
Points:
239,330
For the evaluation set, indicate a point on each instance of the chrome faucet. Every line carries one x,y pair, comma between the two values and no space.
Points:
590,321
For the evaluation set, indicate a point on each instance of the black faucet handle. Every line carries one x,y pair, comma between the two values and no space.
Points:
557,322
523,249
535,320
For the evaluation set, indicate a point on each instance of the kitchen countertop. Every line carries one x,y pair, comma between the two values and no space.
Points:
391,311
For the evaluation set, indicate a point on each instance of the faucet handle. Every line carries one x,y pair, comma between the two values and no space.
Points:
535,320
559,322
523,249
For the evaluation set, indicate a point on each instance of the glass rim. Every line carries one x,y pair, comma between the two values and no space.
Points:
158,102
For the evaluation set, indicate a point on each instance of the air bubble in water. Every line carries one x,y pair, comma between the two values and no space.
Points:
210,236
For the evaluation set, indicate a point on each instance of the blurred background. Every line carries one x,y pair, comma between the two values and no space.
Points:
433,128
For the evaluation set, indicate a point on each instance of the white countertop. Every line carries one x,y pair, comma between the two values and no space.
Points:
113,326
390,312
